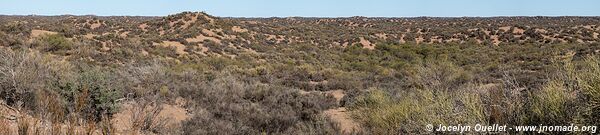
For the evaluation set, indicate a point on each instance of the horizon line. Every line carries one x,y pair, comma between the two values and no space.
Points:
492,16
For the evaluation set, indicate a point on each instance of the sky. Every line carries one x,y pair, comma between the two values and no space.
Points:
305,8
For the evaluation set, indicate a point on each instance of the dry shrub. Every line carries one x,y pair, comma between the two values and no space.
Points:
89,128
5,127
23,126
50,106
106,127
38,127
229,105
56,129
71,129
144,117
21,73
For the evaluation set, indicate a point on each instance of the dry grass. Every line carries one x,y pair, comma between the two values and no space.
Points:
23,126
145,117
5,127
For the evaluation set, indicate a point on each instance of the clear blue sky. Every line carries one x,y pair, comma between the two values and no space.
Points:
307,8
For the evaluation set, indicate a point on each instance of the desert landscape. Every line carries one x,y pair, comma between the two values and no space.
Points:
194,73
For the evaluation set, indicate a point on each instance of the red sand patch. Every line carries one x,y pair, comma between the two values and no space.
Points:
38,33
419,40
201,38
143,26
95,25
518,31
366,43
172,115
342,117
505,28
495,40
89,36
238,29
179,48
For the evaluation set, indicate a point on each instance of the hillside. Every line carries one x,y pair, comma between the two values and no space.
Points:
199,33
193,73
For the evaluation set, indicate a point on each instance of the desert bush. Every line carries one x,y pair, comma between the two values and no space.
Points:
93,92
588,80
21,74
55,43
145,117
106,127
439,96
383,114
553,104
49,105
23,126
268,109
147,79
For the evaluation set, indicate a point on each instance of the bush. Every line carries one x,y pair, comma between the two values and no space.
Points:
383,114
93,92
22,73
227,105
588,79
55,43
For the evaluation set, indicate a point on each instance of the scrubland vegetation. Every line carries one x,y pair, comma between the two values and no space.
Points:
66,85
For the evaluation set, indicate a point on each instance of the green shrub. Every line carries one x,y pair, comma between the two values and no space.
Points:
94,91
589,81
552,104
572,97
56,43
415,109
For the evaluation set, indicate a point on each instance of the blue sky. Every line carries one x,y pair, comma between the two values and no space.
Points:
307,8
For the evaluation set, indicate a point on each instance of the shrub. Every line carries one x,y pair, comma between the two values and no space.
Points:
553,104
384,115
94,92
22,73
588,79
228,105
55,43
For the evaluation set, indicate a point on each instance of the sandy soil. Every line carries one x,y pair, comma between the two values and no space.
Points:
143,26
95,25
505,28
238,29
495,40
419,40
366,43
179,48
201,38
340,115
518,31
38,33
172,115
89,36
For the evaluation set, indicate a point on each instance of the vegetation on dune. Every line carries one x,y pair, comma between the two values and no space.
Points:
251,80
